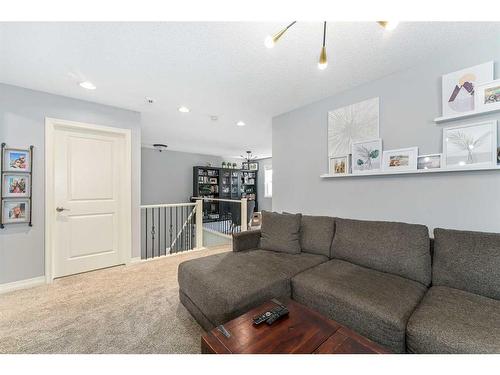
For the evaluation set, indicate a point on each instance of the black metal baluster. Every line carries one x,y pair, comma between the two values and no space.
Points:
153,233
159,232
165,229
170,243
146,236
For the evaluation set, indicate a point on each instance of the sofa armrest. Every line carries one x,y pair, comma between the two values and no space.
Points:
246,240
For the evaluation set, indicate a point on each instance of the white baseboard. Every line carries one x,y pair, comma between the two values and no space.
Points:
22,284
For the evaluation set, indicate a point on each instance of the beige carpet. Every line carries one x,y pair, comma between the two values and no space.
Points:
124,309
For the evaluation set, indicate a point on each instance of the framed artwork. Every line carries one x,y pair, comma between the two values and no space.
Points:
250,166
15,211
403,159
16,185
352,123
487,96
16,160
458,88
339,165
366,155
431,161
470,145
253,166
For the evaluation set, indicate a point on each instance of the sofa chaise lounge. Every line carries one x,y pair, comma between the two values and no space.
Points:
373,277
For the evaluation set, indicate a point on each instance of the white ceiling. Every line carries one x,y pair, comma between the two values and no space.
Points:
217,68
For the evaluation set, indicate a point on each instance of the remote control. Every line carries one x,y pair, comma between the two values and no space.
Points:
266,315
284,311
224,331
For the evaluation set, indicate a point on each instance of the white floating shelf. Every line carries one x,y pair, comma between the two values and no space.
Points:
418,171
464,115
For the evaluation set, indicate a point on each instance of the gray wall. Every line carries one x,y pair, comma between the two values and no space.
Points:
167,177
264,203
409,101
22,122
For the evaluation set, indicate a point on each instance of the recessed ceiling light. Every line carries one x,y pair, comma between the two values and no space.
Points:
87,85
183,109
240,123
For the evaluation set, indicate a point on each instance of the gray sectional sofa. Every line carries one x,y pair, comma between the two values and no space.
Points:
374,277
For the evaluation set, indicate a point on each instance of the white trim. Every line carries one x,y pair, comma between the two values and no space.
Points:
126,196
167,205
22,284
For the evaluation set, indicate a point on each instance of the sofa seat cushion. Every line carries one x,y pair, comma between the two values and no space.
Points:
280,232
375,304
223,286
454,321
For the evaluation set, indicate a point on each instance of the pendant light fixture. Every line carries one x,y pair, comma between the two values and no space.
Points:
388,25
270,41
323,62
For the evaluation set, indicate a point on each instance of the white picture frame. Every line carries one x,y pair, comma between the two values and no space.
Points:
471,145
487,96
16,185
429,161
339,165
402,159
366,156
16,160
458,88
15,207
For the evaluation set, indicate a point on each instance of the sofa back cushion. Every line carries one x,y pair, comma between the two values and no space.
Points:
468,261
280,232
398,248
316,234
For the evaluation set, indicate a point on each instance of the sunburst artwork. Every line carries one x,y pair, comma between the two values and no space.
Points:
352,123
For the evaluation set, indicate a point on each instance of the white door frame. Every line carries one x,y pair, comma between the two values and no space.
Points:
125,197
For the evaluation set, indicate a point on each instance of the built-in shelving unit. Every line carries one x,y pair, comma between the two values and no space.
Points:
223,183
409,172
464,115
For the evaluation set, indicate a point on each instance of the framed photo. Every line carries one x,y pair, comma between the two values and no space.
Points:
16,160
339,165
16,185
403,159
458,88
15,211
431,161
366,156
487,96
470,145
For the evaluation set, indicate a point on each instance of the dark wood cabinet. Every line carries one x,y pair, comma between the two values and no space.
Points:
223,183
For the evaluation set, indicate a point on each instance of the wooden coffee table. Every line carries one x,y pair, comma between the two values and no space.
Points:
302,331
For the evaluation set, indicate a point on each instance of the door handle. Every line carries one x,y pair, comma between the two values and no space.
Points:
61,209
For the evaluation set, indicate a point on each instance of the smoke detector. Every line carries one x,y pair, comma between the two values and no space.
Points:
160,147
149,100
214,118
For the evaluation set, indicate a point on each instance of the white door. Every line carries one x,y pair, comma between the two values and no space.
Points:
89,216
